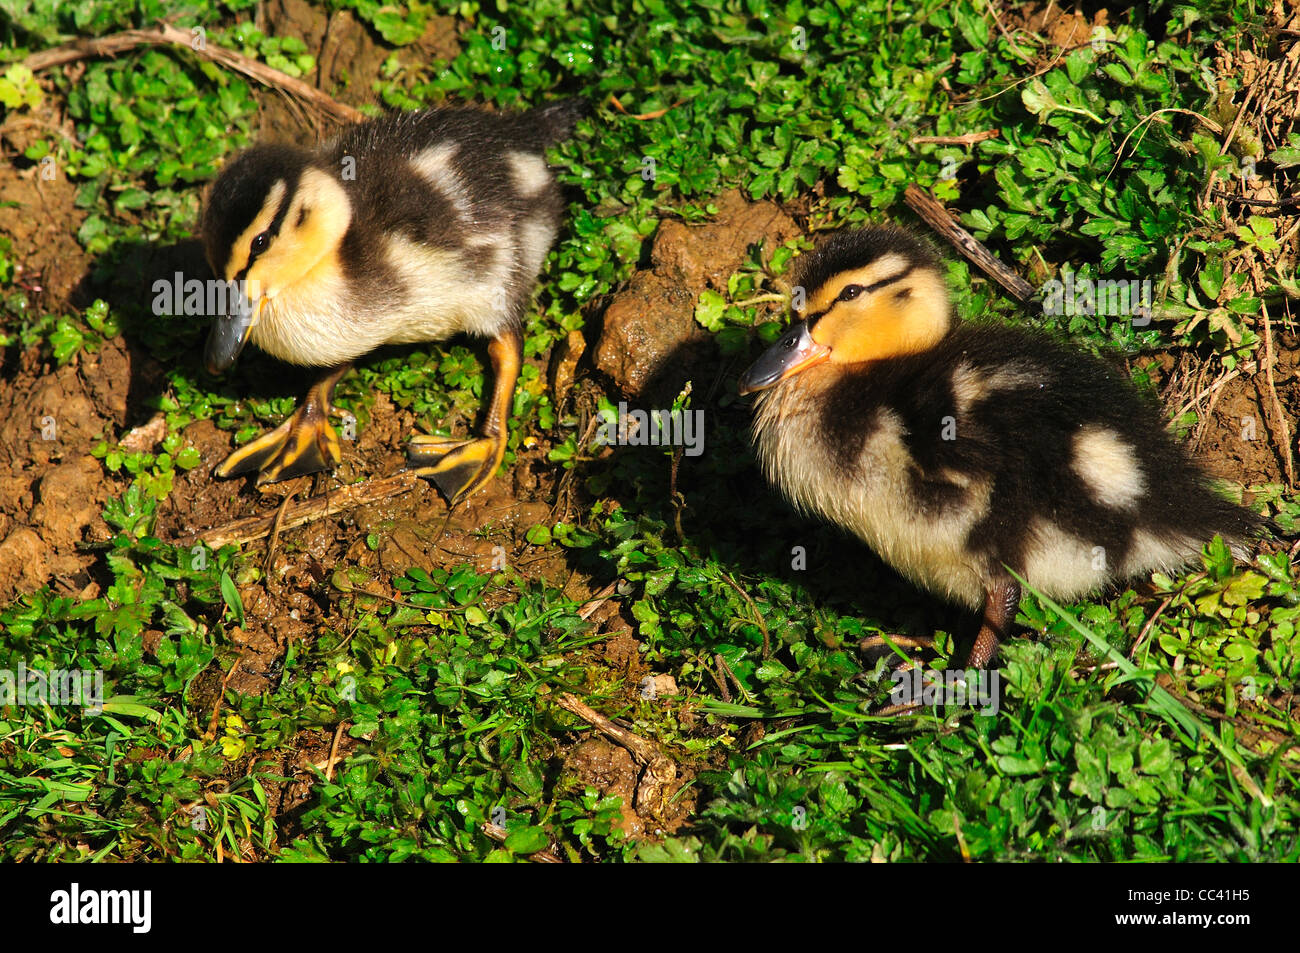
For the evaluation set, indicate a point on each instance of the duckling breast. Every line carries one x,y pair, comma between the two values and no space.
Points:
921,528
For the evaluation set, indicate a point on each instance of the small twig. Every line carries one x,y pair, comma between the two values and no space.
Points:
1196,398
1146,629
1274,736
1223,147
938,218
726,672
275,531
654,114
758,618
966,139
499,834
221,697
317,507
902,641
334,753
1213,126
1015,47
677,500
1277,404
168,35
1034,75
660,771
1289,202
720,679
595,602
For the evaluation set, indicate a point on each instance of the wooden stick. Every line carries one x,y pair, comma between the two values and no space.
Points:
317,507
966,139
499,834
655,114
168,35
937,217
660,771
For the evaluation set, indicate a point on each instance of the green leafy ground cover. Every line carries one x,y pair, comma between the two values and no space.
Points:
447,689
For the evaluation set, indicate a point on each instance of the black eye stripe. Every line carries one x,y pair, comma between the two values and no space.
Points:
890,280
271,230
852,292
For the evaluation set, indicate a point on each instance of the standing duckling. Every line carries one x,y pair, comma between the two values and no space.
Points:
408,228
957,451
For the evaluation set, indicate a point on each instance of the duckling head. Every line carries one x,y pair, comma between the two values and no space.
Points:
272,218
868,295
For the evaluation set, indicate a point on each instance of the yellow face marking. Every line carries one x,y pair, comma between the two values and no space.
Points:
242,248
880,269
306,247
905,316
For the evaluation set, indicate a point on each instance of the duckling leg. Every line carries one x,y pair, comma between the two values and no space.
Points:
459,467
1000,606
305,443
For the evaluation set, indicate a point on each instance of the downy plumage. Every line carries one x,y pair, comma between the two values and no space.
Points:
959,451
408,228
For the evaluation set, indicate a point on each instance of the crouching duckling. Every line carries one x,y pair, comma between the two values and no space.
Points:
959,451
408,228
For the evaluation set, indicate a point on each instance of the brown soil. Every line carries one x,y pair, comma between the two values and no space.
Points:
1051,27
37,214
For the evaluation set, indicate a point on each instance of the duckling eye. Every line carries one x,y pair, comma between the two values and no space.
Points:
850,292
260,243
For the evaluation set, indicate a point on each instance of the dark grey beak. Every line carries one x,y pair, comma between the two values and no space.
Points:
793,352
228,336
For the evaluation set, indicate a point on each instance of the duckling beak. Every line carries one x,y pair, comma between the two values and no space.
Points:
793,352
229,334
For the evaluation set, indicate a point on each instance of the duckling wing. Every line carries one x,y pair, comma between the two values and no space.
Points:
454,211
1018,451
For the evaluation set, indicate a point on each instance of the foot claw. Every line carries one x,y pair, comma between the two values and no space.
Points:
458,467
305,443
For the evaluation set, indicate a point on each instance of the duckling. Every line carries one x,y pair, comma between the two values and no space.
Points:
407,228
960,452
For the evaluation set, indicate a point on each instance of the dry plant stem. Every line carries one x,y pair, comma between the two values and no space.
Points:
221,697
726,671
1223,147
937,217
589,607
1015,47
168,35
642,117
660,772
720,679
499,834
1209,123
1146,629
758,618
334,752
1278,415
967,139
1204,418
1257,203
1196,398
317,507
275,532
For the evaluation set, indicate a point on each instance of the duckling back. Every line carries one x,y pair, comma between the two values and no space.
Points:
999,447
407,228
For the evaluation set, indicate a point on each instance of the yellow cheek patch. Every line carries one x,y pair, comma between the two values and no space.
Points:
906,317
239,253
314,224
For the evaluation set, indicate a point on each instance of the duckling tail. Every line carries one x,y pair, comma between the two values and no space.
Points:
556,120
